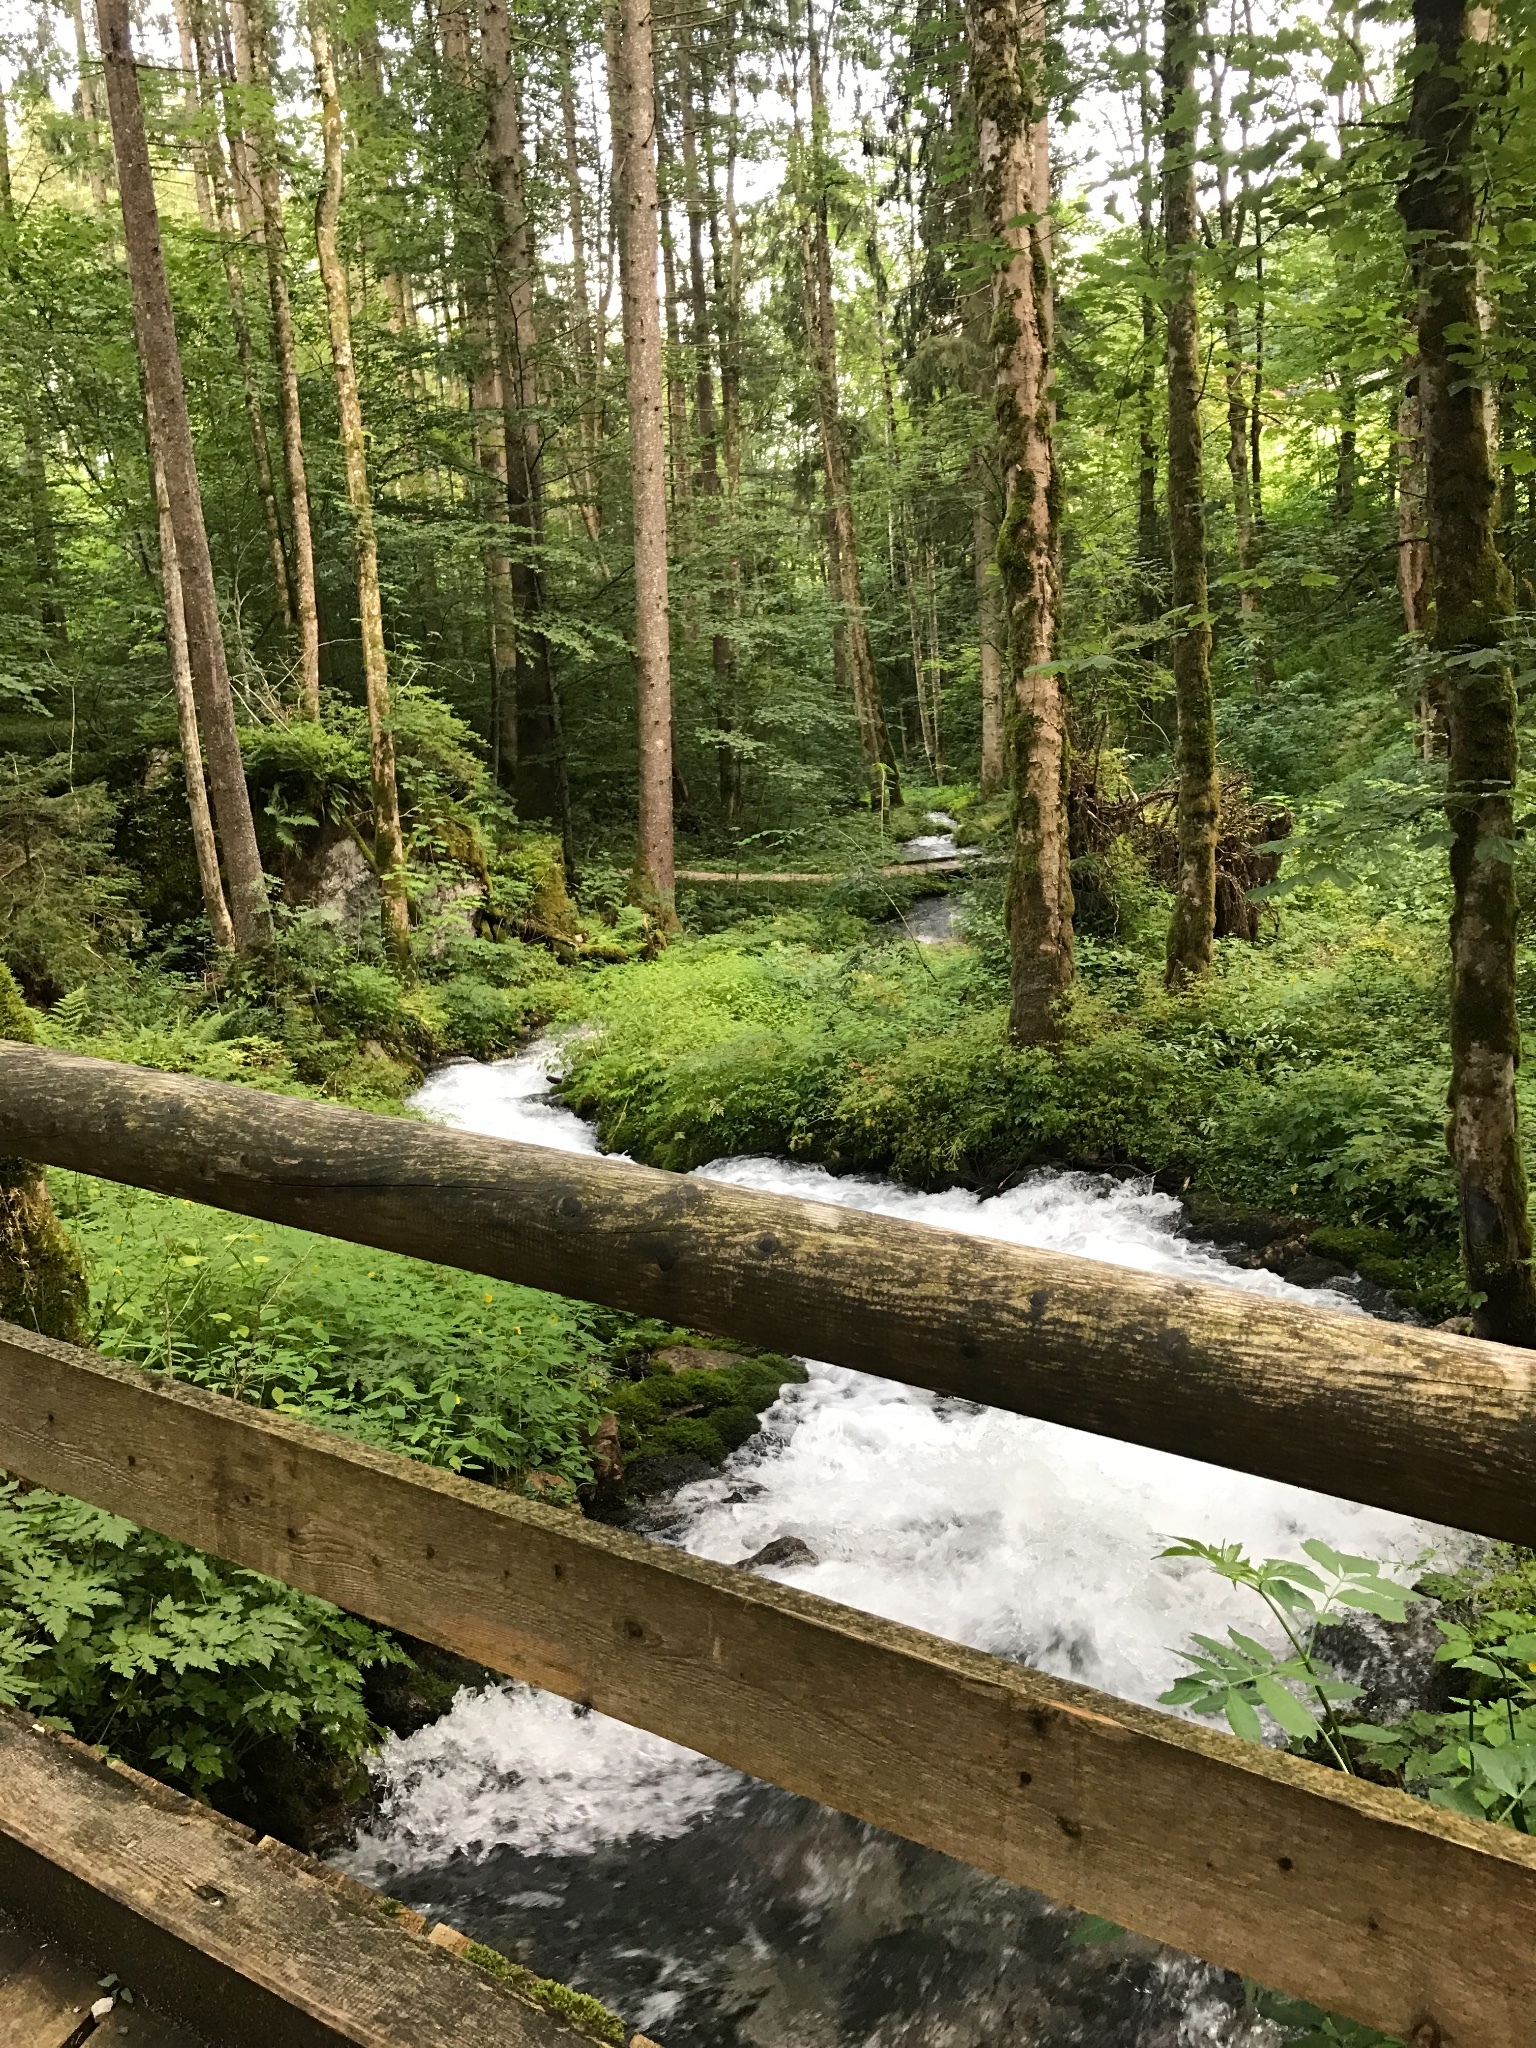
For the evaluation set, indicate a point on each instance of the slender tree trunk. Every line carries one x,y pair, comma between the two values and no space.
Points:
1472,601
1192,930
45,553
1347,475
203,842
389,843
160,358
632,96
589,418
214,187
90,110
253,70
1256,410
542,783
1007,65
821,323
677,389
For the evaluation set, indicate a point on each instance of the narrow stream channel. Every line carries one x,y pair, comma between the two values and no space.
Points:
715,1912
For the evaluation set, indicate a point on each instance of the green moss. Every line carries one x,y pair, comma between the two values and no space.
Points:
704,1412
588,2015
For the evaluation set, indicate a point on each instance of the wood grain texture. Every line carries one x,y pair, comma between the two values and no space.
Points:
326,1949
1430,1424
1370,1902
47,2002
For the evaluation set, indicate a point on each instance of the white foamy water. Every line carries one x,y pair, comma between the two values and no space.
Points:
1014,1536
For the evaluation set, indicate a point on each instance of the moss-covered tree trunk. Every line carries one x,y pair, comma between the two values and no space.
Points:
42,1280
388,839
1191,931
1007,66
1471,599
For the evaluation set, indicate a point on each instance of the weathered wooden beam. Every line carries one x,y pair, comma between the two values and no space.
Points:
1429,1424
1370,1902
255,1946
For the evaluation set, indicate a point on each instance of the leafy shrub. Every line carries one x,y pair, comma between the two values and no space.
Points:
459,1371
176,1662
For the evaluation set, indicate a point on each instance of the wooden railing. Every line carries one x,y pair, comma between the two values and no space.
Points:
1369,1902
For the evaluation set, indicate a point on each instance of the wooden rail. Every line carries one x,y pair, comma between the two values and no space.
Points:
253,1944
1430,1424
1368,1901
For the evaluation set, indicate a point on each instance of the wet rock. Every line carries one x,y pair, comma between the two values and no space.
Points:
1459,1326
1308,1269
646,1477
782,1552
694,1358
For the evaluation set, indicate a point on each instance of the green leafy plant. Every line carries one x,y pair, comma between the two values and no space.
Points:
172,1660
1296,1687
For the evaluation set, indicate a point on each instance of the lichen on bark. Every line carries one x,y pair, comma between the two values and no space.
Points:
42,1279
1007,82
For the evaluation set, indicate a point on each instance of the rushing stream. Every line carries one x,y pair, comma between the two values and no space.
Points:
714,1912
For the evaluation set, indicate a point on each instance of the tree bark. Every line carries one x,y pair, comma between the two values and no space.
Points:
253,70
389,843
843,552
590,414
209,160
42,1276
1471,602
90,114
1191,932
45,553
542,785
160,358
203,842
632,95
1007,64
990,631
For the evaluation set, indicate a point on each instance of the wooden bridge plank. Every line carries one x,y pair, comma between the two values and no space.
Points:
1405,1418
1368,1901
337,1966
47,2002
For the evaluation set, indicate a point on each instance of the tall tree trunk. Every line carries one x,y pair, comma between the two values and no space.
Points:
253,70
90,112
722,652
160,358
1192,930
632,96
209,157
677,389
1472,600
45,553
203,842
388,840
590,414
843,553
1347,475
542,783
1007,77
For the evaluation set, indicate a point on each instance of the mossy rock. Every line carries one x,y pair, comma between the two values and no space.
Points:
1425,1276
703,1412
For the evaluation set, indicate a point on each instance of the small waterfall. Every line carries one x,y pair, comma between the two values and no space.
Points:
716,1912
